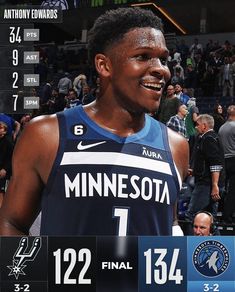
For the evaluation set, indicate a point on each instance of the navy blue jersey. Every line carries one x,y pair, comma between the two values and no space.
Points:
104,184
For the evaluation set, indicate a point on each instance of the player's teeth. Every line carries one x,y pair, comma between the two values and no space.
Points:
153,85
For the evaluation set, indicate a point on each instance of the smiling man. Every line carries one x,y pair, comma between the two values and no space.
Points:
106,168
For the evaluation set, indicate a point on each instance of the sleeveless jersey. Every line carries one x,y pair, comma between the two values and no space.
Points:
104,184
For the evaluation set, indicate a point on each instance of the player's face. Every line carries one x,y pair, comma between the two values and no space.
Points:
201,225
139,70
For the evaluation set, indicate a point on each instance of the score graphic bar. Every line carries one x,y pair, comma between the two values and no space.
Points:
114,264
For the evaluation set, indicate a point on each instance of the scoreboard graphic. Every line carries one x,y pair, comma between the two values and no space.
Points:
105,263
19,57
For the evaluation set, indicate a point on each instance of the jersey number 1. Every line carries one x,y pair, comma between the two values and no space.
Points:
122,213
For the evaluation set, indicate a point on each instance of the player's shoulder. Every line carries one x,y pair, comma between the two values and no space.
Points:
41,129
178,144
175,138
43,123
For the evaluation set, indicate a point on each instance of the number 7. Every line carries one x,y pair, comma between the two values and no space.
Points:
15,96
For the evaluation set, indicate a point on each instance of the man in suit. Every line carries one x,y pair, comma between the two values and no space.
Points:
226,77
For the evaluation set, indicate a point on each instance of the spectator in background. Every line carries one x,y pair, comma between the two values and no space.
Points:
190,81
45,95
58,101
51,101
175,66
71,99
6,149
189,61
227,72
176,55
88,97
78,84
203,224
196,48
208,81
208,163
183,49
64,85
13,126
215,62
218,116
190,122
200,69
227,49
177,122
184,98
176,78
227,138
209,48
169,105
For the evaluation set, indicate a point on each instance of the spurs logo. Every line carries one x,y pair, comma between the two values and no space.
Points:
22,256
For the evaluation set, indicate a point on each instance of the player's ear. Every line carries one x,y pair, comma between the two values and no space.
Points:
103,65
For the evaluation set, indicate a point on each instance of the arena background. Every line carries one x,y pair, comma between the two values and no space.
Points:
180,17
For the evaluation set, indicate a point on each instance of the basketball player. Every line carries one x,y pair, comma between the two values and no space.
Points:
106,168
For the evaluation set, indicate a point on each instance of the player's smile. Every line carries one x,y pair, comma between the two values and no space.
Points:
152,84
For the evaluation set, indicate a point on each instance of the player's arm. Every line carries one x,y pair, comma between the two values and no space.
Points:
33,156
180,152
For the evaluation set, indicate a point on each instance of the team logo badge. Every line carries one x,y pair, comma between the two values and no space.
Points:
22,256
63,4
211,258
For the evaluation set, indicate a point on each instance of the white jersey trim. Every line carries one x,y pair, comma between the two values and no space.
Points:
178,176
113,158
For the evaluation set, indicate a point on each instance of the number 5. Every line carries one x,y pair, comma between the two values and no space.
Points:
123,214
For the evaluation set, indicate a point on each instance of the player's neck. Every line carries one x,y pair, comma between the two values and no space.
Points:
118,121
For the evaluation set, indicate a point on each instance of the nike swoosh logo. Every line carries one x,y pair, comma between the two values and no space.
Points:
87,146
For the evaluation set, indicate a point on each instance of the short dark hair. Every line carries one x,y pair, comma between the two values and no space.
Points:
111,26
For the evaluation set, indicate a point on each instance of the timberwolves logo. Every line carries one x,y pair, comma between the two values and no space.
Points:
211,258
63,4
21,256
